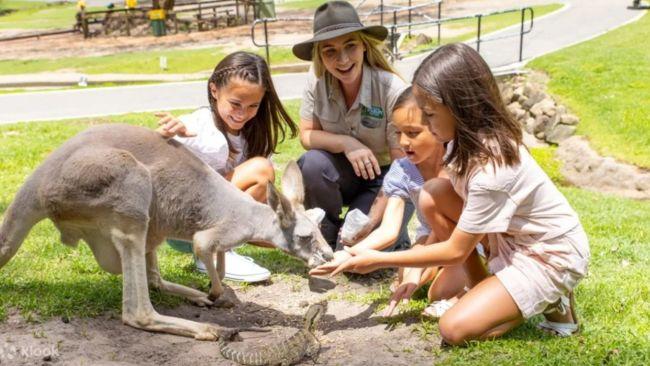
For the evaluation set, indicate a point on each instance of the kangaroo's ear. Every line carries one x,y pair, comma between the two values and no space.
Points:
292,185
280,205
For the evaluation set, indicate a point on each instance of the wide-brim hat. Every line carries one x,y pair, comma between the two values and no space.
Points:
333,19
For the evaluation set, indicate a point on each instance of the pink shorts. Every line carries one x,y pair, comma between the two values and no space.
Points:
537,274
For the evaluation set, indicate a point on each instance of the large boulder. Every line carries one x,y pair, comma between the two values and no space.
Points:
583,167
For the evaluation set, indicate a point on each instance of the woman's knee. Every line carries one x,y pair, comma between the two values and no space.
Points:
314,164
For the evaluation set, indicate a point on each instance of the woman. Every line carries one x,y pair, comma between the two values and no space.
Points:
345,117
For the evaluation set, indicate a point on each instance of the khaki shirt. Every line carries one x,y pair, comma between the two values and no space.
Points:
368,119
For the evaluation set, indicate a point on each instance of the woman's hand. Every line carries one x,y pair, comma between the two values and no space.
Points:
362,159
171,126
365,262
340,256
405,290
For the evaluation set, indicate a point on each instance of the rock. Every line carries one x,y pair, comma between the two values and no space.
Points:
529,124
519,79
569,119
540,124
530,89
422,39
515,109
559,133
541,107
507,94
583,167
533,99
518,93
551,112
643,183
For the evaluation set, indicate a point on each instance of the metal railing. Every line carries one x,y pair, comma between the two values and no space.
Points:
479,18
381,10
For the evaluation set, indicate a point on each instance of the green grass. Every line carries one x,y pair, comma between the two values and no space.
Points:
301,4
606,81
468,27
179,61
37,15
47,279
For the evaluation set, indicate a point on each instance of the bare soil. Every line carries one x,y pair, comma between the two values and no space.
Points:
350,333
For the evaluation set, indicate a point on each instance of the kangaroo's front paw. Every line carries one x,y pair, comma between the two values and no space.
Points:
201,301
223,303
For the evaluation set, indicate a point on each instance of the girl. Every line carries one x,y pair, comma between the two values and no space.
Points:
236,135
538,248
344,115
402,184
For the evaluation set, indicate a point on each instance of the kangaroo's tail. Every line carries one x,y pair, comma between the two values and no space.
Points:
23,213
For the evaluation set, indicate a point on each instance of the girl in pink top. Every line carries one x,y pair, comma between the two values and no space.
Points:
538,250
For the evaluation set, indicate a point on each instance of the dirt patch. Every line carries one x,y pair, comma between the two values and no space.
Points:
350,333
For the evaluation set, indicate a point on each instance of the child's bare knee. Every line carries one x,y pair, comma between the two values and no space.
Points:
263,169
452,330
431,192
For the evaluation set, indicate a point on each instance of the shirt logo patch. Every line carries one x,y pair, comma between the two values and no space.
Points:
370,123
374,111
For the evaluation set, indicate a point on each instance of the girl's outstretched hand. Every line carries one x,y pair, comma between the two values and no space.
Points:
405,290
340,256
171,126
365,262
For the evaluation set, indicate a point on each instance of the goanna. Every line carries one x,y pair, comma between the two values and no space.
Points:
286,352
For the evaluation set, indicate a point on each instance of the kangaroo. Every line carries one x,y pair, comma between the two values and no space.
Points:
124,189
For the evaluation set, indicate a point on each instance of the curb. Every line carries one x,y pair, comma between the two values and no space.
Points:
55,79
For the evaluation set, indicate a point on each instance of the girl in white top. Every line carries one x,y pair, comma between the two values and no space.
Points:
538,250
239,131
241,128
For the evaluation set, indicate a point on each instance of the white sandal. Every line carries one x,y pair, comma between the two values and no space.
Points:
437,309
560,329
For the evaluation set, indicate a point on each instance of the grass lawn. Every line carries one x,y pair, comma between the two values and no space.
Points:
37,15
47,279
301,4
606,81
465,29
179,61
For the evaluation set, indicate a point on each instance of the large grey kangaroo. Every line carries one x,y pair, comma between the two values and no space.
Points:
124,189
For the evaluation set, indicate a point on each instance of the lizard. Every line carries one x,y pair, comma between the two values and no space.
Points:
287,351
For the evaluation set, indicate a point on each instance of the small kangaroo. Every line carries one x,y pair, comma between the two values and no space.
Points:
124,189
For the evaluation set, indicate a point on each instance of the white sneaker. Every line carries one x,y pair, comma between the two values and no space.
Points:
239,268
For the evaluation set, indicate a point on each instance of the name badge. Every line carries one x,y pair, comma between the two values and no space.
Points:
373,111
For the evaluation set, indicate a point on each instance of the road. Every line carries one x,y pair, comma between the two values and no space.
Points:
578,21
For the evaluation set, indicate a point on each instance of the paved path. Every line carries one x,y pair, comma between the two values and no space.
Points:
580,20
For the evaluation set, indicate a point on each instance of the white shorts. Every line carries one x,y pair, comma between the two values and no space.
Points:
537,275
